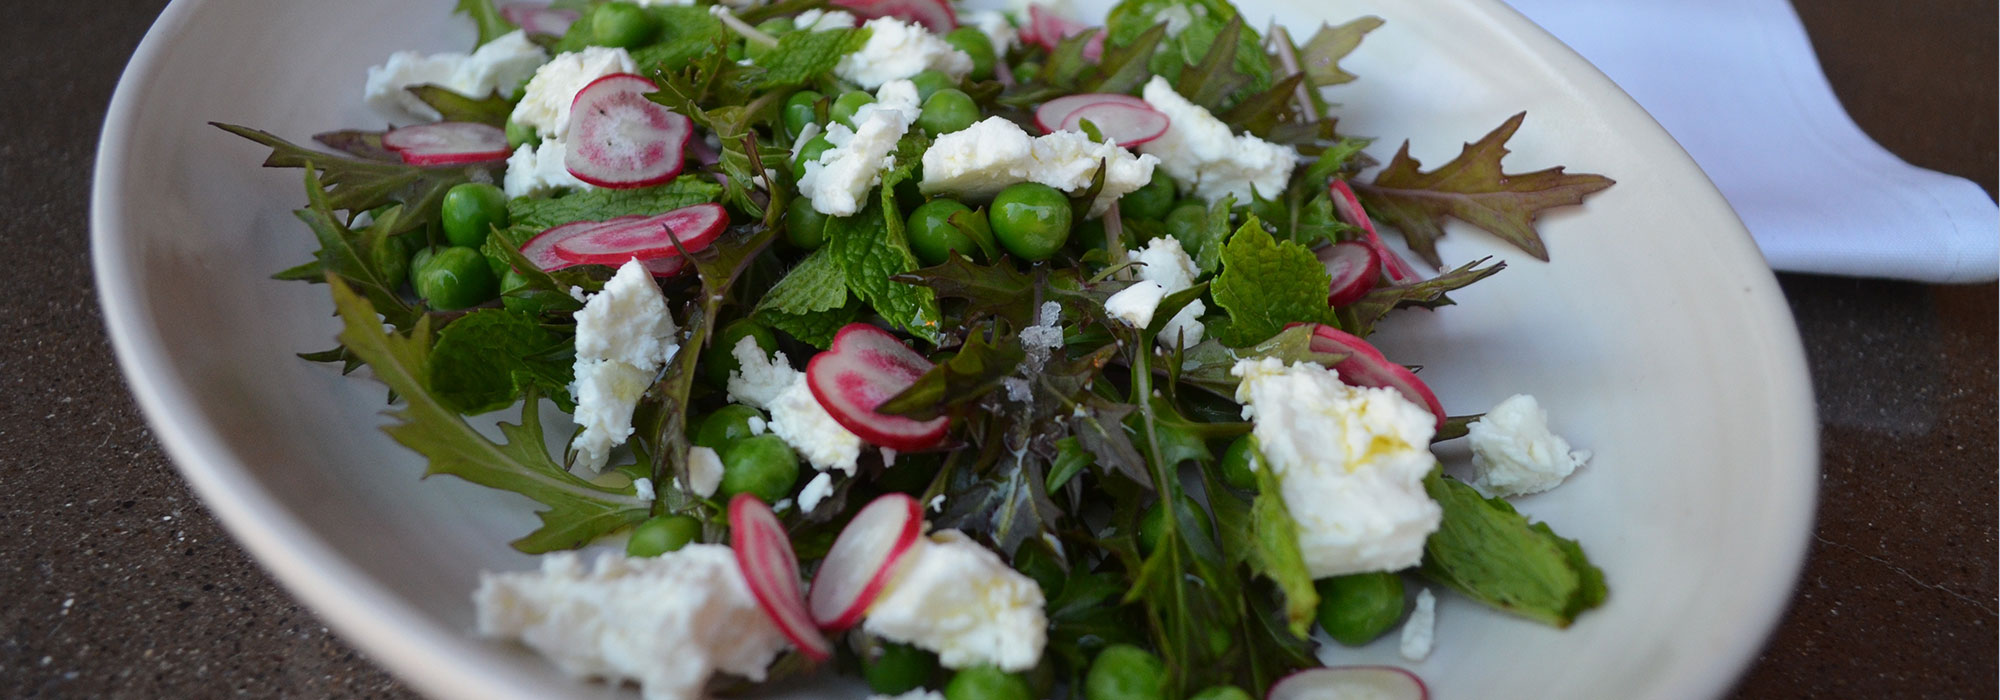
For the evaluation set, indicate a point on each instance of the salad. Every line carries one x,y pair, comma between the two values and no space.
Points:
974,354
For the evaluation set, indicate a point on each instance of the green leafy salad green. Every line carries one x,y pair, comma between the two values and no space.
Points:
1129,381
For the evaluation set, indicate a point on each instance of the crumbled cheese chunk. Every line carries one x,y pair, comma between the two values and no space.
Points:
545,102
642,488
1419,629
704,471
1135,304
798,418
980,160
815,491
1350,463
500,65
759,378
1208,160
839,181
937,503
1168,264
1513,452
954,597
995,26
897,50
817,20
667,622
623,336
539,169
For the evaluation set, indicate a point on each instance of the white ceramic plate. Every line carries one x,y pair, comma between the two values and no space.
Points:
1657,339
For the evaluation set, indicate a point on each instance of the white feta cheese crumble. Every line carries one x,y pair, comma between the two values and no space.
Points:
839,181
769,382
759,378
815,491
545,102
995,26
539,169
1208,160
1513,452
1135,304
1167,264
937,503
896,50
1350,463
980,160
668,622
623,335
704,471
954,597
756,426
1418,631
816,20
500,65
642,488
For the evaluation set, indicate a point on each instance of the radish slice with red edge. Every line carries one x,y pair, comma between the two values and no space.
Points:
864,367
619,139
1354,266
1349,683
935,15
541,250
447,143
1349,208
1366,366
1124,124
862,559
1051,114
535,18
1047,29
764,553
646,238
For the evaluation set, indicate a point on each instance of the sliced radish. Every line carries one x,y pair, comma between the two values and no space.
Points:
1366,366
862,559
646,238
935,15
1124,124
1048,29
618,138
1354,266
1349,208
541,250
864,367
447,143
1349,683
764,552
536,18
1051,115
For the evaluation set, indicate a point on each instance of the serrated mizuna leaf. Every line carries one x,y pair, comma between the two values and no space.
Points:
486,17
1123,68
1320,57
491,110
1429,294
978,368
1472,188
1266,283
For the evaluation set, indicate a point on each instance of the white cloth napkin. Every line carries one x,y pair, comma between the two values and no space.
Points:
1737,83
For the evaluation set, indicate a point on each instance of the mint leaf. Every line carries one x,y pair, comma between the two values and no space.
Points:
1492,554
579,511
811,302
1472,188
871,249
1429,294
1266,283
487,17
491,110
686,32
801,57
599,204
815,328
486,359
1320,57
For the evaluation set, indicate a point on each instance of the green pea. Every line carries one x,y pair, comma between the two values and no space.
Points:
622,25
986,683
799,111
805,227
1187,220
763,465
1151,202
726,426
418,260
455,278
932,235
1031,220
1027,69
1357,608
667,533
1153,524
846,105
947,111
392,257
975,44
810,153
1240,462
1125,672
469,212
720,358
898,668
519,135
1221,692
930,82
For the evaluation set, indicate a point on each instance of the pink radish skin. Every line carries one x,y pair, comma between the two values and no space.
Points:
764,553
862,560
535,18
1366,366
447,143
1349,208
1051,115
1354,266
1047,29
646,238
617,138
1349,683
541,250
1125,125
935,15
864,367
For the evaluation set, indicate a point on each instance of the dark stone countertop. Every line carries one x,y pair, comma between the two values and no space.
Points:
114,582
